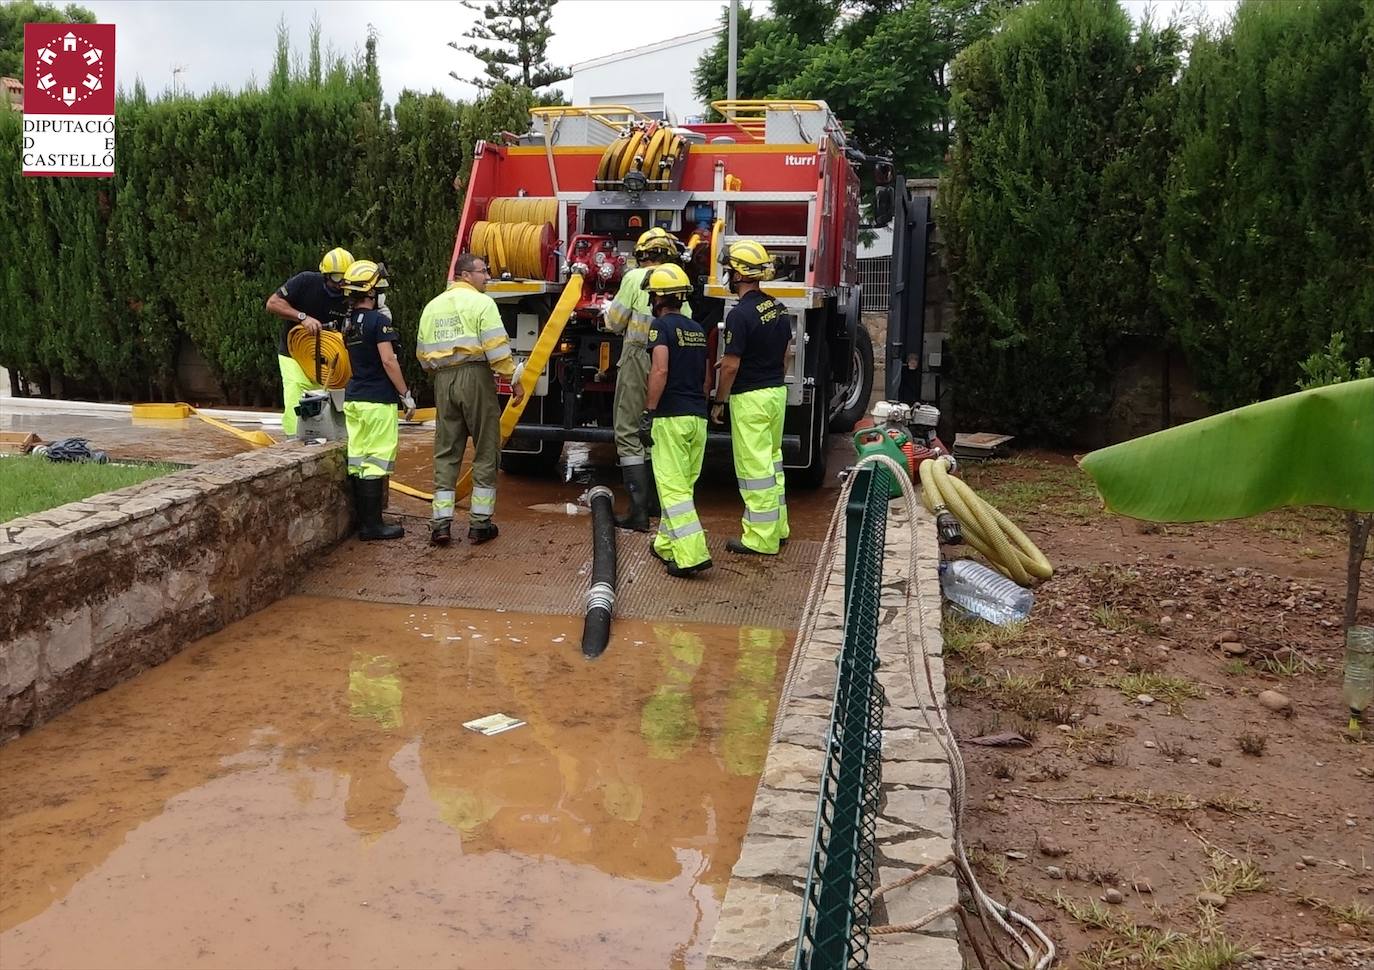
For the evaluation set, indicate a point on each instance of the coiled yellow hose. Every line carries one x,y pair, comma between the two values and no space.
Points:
987,530
324,359
646,149
511,247
523,209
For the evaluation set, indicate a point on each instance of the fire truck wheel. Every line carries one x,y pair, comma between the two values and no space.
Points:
860,388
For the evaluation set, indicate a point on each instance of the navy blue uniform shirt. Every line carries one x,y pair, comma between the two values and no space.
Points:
684,394
364,330
313,295
757,331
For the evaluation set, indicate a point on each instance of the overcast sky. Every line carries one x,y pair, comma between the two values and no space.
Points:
222,43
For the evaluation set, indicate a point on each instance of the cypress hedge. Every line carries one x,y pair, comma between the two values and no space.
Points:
215,202
1051,208
1270,202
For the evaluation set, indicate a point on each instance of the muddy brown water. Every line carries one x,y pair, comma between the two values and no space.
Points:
299,790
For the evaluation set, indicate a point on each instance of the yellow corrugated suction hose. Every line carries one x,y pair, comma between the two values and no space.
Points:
325,360
986,529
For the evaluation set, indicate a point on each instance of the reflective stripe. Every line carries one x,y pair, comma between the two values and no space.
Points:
442,506
771,515
755,484
446,345
498,353
683,531
381,463
777,466
483,501
495,333
628,460
782,498
681,508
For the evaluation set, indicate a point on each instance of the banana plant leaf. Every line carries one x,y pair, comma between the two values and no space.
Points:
1311,448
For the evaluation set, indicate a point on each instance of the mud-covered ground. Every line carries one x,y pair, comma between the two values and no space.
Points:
1154,774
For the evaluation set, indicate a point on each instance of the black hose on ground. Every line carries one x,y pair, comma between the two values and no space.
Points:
596,628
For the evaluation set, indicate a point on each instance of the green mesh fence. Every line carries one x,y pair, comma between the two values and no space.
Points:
839,886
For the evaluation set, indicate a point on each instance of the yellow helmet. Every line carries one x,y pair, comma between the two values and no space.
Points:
748,259
364,276
667,280
656,243
336,263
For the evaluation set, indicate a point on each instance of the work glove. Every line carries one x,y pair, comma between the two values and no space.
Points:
646,429
717,412
408,402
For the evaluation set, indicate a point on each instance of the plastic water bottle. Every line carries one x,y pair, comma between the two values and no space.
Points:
981,592
1359,671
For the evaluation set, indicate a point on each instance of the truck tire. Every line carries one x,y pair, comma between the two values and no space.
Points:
860,389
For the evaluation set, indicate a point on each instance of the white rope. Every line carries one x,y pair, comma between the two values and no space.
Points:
1039,950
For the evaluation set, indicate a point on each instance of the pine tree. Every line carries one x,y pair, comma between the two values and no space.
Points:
512,41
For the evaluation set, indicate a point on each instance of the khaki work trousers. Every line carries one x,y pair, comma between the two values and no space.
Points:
466,406
631,390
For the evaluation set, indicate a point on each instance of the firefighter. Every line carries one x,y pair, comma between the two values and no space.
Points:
376,387
758,332
630,314
314,301
462,343
674,420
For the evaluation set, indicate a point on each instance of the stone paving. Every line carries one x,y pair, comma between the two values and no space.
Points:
762,912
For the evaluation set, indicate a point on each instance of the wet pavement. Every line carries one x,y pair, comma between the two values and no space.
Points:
187,441
299,790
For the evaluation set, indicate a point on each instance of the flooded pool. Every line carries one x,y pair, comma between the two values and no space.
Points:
299,790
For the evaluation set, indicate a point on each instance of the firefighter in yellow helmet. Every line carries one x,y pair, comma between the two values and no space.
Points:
758,331
371,397
629,313
674,420
462,343
315,301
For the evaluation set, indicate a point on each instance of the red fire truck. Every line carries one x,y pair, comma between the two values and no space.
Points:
573,195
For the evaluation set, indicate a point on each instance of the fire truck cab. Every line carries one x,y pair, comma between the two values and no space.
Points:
575,193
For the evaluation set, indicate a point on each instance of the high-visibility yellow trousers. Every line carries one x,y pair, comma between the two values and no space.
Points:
631,387
678,450
373,435
294,383
756,439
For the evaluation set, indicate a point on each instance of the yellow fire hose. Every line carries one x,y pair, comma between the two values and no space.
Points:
322,356
987,530
176,412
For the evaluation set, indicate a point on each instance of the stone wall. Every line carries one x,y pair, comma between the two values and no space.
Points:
761,913
98,590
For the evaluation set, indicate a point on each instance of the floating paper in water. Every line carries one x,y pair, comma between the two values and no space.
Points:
493,724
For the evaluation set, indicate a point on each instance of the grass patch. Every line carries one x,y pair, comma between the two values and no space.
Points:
1172,690
1132,945
32,484
1231,876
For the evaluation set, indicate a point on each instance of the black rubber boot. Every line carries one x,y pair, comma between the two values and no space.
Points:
482,532
441,534
368,494
683,571
654,509
738,547
637,486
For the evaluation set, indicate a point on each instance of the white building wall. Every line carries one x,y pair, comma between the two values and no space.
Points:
660,74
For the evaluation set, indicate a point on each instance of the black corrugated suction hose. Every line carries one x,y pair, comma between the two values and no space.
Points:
596,627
